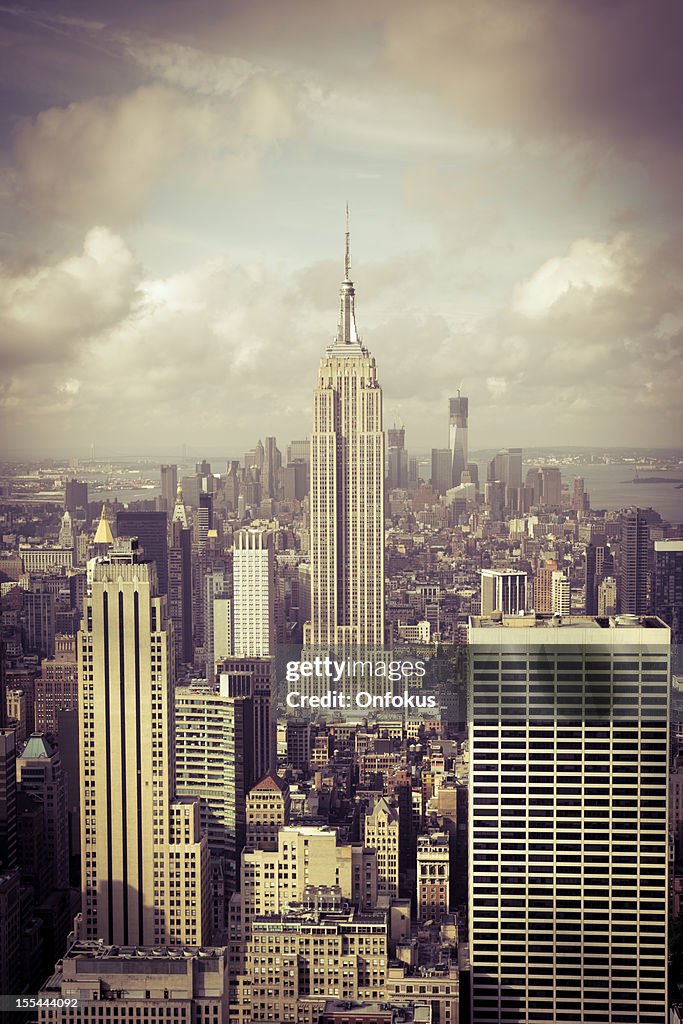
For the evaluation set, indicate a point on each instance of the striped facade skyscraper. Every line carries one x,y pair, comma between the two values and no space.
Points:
144,862
254,593
568,830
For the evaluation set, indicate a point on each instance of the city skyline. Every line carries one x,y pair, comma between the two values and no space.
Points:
173,200
378,717
319,864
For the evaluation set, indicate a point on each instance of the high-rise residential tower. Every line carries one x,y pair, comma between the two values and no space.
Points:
397,458
580,497
57,687
634,550
560,593
433,875
543,589
607,597
214,763
169,486
598,564
568,830
551,486
271,466
180,581
441,470
667,593
347,490
457,437
253,570
381,833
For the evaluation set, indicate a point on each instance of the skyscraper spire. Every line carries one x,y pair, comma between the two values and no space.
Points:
347,255
179,511
103,535
347,492
457,440
347,332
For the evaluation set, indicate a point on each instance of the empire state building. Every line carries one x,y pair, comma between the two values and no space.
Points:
347,491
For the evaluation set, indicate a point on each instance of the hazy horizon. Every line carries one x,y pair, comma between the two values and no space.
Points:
174,179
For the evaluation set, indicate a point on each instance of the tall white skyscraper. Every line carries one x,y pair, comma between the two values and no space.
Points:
568,835
253,570
347,490
215,763
215,587
560,593
249,670
144,862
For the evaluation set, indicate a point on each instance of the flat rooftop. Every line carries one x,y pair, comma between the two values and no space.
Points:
556,622
670,544
100,951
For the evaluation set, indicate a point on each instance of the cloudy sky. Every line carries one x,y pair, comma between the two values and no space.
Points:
173,179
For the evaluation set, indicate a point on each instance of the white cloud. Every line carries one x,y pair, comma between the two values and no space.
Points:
101,159
226,352
47,311
195,70
587,265
497,386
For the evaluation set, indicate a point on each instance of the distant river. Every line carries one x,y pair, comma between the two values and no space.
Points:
125,494
608,486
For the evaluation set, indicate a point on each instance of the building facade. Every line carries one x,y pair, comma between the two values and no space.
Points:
347,491
57,688
667,593
129,983
381,833
295,962
457,437
214,763
568,830
180,581
634,550
503,590
144,862
433,876
268,809
254,593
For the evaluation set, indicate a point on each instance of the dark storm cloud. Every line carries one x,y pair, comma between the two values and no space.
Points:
608,73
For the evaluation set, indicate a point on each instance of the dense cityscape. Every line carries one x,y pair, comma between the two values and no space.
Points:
341,512
330,733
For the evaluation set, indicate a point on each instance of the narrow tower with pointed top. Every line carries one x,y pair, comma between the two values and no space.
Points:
180,581
347,489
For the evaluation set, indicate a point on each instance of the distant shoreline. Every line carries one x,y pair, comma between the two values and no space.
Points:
655,480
